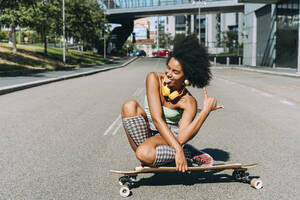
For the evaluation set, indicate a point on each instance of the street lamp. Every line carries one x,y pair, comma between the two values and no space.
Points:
199,12
157,41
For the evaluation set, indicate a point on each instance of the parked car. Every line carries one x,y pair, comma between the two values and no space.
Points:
138,52
161,53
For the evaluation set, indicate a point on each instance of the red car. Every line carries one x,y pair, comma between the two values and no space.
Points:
161,53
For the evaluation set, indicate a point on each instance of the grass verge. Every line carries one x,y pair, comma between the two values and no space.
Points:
32,58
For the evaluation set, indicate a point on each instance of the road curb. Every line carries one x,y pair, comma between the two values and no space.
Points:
14,88
268,72
295,75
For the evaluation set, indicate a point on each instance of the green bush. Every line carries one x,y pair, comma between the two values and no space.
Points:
4,35
34,38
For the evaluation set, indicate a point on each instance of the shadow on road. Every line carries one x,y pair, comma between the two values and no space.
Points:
184,179
217,154
161,179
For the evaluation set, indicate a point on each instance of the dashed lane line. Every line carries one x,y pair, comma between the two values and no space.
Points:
112,125
261,92
118,121
119,126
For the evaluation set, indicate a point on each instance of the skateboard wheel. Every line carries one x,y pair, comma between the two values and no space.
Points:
124,191
256,183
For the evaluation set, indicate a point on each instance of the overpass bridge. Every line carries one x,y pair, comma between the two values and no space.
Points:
124,12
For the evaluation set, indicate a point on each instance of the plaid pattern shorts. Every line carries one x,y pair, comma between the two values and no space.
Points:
138,130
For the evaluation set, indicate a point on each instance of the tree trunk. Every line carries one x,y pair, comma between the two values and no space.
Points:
45,40
13,35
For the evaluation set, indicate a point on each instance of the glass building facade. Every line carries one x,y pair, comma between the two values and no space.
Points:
287,18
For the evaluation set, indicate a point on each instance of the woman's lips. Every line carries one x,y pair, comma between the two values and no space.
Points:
167,80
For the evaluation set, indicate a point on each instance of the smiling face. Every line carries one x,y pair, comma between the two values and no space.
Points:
174,74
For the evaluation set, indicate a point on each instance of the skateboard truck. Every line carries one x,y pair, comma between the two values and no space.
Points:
243,176
126,182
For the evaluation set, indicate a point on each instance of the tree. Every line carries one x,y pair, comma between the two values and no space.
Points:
178,37
46,18
230,39
12,3
165,40
85,21
14,13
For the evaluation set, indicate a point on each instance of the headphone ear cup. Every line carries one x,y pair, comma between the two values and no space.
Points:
173,95
165,90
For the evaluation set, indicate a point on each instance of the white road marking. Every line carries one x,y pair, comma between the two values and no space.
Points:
114,133
263,93
287,102
135,92
139,91
112,125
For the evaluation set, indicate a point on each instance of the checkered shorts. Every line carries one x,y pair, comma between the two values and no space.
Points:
164,155
137,128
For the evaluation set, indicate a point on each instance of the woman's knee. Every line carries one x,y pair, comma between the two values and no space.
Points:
130,108
146,155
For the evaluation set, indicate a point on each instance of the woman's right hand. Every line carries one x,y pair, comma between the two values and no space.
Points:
180,160
210,103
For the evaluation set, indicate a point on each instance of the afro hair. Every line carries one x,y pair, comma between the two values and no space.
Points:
194,60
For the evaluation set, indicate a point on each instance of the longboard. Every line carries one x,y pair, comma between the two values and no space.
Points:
239,173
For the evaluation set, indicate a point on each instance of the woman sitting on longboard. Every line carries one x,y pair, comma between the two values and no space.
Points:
159,133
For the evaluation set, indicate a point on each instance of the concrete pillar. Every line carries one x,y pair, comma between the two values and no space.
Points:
192,24
206,31
186,24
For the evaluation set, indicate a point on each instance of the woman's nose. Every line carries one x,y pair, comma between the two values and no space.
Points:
168,73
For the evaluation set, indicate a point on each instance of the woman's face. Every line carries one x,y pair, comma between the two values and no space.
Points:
174,74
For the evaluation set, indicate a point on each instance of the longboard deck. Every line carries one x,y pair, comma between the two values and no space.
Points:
235,166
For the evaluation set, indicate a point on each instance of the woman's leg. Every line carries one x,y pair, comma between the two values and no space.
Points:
149,150
135,123
155,151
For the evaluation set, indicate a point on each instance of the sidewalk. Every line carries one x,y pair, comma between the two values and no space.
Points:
10,84
290,72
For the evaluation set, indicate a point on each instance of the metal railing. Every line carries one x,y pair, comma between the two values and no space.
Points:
123,4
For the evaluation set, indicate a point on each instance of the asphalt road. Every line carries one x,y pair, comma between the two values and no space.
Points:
59,141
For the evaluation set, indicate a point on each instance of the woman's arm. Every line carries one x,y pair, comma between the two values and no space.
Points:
189,126
155,107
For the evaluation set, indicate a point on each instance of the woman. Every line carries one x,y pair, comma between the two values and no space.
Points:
159,133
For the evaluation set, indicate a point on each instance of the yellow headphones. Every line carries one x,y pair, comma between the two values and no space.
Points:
166,91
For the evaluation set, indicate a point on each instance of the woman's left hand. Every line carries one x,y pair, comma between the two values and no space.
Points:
210,103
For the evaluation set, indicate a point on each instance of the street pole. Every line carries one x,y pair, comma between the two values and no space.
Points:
157,40
20,32
199,20
199,23
64,34
104,55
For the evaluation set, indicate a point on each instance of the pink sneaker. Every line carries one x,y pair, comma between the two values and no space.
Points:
203,160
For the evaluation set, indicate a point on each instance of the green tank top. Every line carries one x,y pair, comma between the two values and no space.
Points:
170,116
